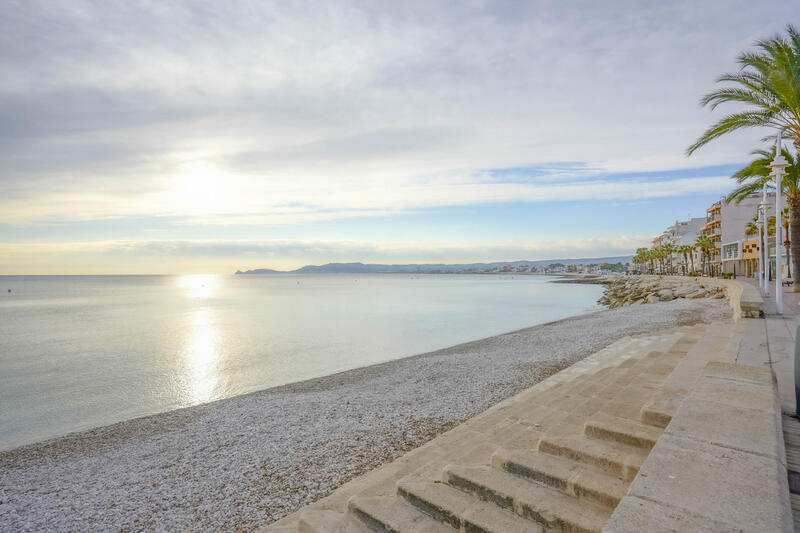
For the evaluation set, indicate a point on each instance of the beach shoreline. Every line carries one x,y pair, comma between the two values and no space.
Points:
243,462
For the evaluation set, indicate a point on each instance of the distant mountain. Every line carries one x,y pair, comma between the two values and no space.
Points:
260,271
361,268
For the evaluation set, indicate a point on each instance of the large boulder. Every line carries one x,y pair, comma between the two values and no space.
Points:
665,295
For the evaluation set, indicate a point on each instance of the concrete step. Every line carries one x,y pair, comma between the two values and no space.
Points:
551,508
622,430
714,342
382,513
566,475
321,521
463,511
614,458
659,411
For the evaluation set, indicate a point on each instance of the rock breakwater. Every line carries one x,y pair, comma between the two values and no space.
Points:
635,290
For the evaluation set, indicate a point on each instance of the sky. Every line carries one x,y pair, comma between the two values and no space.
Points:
206,137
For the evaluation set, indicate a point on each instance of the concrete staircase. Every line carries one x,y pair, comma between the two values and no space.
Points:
719,343
557,457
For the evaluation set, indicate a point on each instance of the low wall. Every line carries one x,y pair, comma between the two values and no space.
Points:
743,298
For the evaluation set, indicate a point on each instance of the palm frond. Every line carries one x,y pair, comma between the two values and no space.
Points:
768,83
733,122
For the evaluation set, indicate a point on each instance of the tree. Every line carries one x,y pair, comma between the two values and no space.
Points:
667,250
687,250
768,84
640,258
705,245
785,219
751,228
657,257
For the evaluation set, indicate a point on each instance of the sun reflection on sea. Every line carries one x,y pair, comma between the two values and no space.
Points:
199,285
201,358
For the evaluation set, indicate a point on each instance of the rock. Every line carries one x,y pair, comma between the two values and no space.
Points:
653,299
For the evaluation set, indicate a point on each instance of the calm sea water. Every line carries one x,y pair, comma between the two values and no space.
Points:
78,352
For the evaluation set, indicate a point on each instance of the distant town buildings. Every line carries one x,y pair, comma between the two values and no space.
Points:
732,229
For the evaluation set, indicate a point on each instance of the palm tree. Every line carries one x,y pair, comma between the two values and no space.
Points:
651,258
751,228
658,253
686,250
768,81
668,249
641,257
768,84
704,244
786,243
785,218
691,250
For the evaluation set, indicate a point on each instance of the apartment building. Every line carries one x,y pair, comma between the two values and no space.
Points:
736,252
679,234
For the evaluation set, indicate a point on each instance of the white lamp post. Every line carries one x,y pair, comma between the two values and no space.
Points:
764,244
778,165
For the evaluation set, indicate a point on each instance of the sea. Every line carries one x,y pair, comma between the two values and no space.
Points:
79,352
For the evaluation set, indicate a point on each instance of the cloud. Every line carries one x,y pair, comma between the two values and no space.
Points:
210,197
198,119
105,106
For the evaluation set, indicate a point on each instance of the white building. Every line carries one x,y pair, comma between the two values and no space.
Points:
737,252
683,233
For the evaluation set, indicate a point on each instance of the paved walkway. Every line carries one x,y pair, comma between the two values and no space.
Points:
780,334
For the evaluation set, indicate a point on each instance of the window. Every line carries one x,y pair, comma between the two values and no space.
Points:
730,251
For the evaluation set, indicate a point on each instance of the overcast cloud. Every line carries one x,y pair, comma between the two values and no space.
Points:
287,113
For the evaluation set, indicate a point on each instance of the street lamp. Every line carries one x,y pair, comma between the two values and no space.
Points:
778,165
764,244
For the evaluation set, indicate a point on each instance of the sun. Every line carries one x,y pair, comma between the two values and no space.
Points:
200,188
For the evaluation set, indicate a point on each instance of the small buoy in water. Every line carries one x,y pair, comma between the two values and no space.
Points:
9,290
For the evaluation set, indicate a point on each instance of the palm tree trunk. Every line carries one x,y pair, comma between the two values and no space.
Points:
794,247
793,202
691,258
794,231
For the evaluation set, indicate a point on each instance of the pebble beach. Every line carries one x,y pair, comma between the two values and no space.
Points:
244,462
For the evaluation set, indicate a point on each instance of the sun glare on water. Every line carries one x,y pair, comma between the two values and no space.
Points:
202,359
200,354
199,286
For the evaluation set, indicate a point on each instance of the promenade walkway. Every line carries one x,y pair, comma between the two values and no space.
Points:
680,430
780,334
